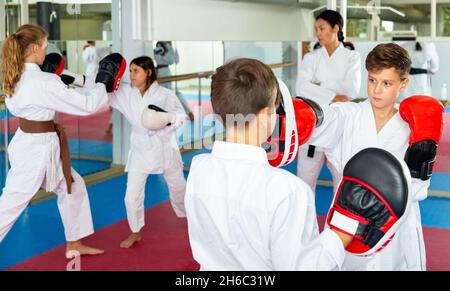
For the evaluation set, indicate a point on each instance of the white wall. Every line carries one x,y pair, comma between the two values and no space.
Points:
267,52
218,20
198,56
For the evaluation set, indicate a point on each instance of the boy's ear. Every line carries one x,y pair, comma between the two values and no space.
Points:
404,84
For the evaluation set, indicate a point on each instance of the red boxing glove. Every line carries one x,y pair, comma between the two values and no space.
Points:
294,128
308,116
425,116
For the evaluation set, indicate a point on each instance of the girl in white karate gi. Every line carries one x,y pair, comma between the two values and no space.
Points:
151,152
351,127
35,97
331,73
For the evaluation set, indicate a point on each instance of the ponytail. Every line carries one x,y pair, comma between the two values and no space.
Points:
12,64
14,53
418,47
341,36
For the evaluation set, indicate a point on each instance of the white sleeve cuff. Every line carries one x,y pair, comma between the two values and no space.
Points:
334,246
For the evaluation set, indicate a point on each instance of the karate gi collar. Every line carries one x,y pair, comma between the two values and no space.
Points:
153,88
242,152
32,67
325,52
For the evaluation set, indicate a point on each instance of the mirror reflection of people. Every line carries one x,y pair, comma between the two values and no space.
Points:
52,48
165,55
425,63
90,58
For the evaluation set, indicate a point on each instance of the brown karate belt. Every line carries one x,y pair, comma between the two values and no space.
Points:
34,127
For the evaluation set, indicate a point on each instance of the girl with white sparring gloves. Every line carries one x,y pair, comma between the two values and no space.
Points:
154,113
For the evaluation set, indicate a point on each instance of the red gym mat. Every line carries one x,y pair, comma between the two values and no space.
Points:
165,247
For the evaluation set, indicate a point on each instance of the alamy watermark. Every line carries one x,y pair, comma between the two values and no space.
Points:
208,128
74,265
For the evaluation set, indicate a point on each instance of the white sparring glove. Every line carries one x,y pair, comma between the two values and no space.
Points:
156,118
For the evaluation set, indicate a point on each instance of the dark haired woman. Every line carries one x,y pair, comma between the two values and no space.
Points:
328,74
153,149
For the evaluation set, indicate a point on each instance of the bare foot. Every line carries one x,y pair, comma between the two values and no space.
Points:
179,209
74,249
131,240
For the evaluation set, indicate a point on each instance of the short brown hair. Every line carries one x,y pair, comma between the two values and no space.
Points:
243,86
389,55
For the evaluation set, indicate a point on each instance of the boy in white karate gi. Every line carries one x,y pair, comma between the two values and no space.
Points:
242,213
378,122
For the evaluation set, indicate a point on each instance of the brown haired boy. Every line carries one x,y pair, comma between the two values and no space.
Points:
242,213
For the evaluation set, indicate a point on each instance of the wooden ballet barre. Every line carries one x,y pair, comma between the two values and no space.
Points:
186,77
283,65
208,74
